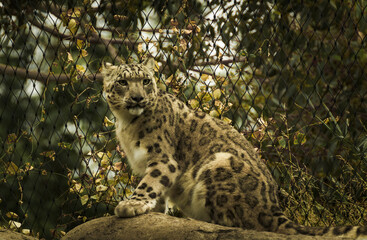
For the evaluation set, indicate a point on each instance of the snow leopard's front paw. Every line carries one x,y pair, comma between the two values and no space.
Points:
131,208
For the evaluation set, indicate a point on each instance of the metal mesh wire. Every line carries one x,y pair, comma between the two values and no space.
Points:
291,76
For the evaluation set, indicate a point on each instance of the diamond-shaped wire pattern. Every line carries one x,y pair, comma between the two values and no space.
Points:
291,76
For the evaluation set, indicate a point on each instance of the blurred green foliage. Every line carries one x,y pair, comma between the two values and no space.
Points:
290,75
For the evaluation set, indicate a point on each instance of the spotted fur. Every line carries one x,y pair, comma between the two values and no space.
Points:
202,165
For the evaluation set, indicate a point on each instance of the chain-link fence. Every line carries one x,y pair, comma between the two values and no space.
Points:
290,75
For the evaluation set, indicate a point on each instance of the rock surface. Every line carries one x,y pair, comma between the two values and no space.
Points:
6,234
160,226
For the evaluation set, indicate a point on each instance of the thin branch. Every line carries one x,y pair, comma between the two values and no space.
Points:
94,39
110,48
202,72
115,30
46,77
220,61
65,78
52,8
54,31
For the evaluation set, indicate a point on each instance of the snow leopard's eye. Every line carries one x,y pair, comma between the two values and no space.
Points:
122,82
146,81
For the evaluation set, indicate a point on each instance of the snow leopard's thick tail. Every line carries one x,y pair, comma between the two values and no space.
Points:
287,226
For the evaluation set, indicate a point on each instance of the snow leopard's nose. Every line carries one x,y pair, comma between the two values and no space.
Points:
137,99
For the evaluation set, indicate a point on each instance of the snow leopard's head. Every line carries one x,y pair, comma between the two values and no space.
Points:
130,87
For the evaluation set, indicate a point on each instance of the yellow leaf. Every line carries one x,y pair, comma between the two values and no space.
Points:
70,57
105,161
72,25
80,68
49,154
107,122
84,199
12,168
120,17
12,215
84,53
169,79
118,166
14,225
299,138
214,113
80,44
12,138
218,104
94,197
76,188
28,167
26,231
187,31
140,47
194,103
65,145
217,93
89,27
173,22
101,188
156,66
204,77
206,98
183,45
100,154
76,13
128,192
227,120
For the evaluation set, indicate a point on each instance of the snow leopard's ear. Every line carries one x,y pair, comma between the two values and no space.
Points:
107,68
149,63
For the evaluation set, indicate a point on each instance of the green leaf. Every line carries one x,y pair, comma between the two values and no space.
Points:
65,145
282,142
299,138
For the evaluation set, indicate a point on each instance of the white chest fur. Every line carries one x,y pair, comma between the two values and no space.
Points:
136,156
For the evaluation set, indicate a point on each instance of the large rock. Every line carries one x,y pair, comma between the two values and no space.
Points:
160,226
6,234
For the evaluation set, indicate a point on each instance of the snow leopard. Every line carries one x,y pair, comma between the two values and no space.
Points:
200,164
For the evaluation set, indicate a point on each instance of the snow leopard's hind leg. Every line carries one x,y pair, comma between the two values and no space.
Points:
225,190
